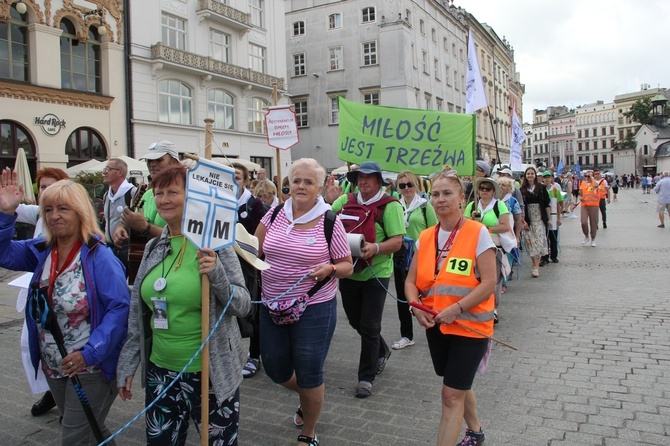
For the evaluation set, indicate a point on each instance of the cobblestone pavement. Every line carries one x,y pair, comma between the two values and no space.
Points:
593,365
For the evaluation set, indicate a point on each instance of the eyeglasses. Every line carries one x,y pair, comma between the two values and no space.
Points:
107,169
485,188
404,185
285,190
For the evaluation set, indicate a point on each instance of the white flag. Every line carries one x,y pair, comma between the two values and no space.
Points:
475,95
518,136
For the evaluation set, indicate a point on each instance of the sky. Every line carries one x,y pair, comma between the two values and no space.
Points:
576,52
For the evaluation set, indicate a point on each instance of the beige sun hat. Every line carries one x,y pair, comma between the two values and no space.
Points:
246,246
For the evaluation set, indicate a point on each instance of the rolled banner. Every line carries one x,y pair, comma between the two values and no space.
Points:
356,243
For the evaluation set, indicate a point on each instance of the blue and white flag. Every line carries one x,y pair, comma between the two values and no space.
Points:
578,171
560,167
475,95
518,136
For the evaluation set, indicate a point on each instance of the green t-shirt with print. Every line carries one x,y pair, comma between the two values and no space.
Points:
394,224
173,347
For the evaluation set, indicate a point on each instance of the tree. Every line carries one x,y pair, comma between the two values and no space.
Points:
628,142
640,111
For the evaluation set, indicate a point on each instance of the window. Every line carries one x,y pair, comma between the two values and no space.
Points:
299,68
611,130
646,149
298,28
174,102
461,54
219,44
84,144
14,136
256,115
256,12
422,27
221,108
334,111
14,50
80,62
595,131
408,16
300,107
587,159
370,53
433,35
429,101
371,98
436,69
445,44
603,131
369,14
336,60
174,31
579,146
335,21
586,146
456,80
447,74
604,158
440,106
413,56
579,133
424,61
595,145
257,58
586,133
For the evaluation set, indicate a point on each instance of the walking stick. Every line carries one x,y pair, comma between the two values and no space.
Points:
51,324
434,313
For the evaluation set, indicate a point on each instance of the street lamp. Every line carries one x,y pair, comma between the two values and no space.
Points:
21,7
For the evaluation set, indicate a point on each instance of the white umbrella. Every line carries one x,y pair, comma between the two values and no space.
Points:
90,166
250,165
23,176
340,170
135,168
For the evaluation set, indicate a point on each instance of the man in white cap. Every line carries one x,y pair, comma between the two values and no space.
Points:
147,222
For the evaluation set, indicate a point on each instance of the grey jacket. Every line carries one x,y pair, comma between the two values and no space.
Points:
226,352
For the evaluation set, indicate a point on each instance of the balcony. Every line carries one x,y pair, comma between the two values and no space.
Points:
208,66
224,14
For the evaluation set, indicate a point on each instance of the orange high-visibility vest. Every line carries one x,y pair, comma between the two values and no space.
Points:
590,196
455,279
602,190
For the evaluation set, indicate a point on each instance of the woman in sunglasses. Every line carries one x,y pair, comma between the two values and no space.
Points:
78,302
443,277
536,218
419,215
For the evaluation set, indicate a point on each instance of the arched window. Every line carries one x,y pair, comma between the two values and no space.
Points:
84,144
14,50
174,102
14,136
79,61
256,115
221,108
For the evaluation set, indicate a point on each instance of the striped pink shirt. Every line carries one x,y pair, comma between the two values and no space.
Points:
296,254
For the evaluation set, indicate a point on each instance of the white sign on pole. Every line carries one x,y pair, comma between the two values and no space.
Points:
282,127
210,209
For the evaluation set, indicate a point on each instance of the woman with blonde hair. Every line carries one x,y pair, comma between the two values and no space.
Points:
78,301
267,193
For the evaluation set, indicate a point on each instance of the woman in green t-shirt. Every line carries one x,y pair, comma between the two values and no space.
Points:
165,316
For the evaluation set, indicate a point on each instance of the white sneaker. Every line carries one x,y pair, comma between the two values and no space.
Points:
573,216
586,240
402,343
593,244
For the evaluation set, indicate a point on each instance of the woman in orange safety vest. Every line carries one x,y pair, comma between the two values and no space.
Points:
454,273
590,202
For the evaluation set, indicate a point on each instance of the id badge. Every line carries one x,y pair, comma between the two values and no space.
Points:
160,313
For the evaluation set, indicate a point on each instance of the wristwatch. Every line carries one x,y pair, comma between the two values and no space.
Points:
147,231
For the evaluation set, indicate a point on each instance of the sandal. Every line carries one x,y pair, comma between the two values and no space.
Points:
252,367
535,272
308,440
298,418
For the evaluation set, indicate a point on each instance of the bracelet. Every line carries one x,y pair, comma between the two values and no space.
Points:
334,271
377,245
459,306
147,231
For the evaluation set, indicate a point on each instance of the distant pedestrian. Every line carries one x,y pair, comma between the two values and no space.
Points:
604,194
590,201
555,205
663,190
536,218
119,196
615,187
643,183
650,183
576,182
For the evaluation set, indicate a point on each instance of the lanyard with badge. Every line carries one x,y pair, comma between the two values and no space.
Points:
159,303
444,252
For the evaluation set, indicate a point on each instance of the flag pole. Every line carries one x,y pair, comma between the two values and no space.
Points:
280,196
204,374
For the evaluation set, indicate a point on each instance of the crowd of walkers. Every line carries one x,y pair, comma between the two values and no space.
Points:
450,243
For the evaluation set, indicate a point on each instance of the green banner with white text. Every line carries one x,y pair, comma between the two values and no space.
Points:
406,138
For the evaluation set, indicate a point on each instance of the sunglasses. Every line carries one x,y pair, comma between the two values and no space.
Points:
445,174
285,190
404,185
485,188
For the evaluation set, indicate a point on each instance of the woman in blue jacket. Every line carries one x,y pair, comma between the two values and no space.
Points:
85,287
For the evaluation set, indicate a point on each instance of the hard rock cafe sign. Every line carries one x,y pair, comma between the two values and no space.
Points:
50,123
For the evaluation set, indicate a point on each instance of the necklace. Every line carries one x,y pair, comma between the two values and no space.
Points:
161,283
